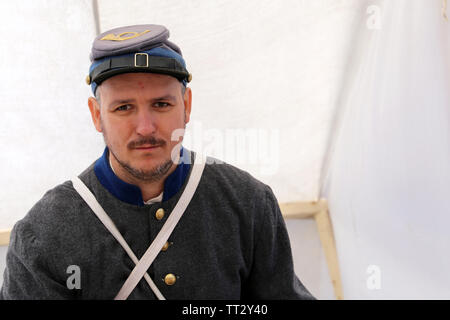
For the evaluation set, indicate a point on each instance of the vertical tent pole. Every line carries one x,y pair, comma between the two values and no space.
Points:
96,16
319,211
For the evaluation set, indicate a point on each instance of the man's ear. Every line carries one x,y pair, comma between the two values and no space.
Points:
94,107
187,103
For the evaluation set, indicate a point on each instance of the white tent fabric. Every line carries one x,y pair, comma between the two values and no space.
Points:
45,129
389,165
343,99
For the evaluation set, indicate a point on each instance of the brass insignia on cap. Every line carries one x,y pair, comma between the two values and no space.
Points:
88,79
120,37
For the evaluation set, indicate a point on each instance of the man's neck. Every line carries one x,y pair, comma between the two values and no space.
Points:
149,190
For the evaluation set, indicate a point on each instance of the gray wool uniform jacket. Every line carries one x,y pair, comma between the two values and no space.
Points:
231,243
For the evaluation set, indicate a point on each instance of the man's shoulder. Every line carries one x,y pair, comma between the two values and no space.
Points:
61,196
58,204
53,212
226,181
231,175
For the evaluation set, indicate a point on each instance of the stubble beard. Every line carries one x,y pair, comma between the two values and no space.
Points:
147,176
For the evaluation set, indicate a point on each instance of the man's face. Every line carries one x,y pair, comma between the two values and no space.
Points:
137,114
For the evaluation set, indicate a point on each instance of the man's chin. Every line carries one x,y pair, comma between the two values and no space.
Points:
149,168
149,164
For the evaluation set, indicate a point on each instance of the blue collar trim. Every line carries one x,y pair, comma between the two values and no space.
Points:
131,193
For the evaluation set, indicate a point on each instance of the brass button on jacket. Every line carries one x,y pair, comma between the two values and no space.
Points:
159,213
165,246
170,279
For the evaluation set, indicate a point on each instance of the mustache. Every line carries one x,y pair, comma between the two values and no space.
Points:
152,141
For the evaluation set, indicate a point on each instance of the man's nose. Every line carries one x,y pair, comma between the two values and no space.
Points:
146,123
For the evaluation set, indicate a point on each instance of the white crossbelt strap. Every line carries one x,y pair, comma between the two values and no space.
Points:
87,196
151,253
142,266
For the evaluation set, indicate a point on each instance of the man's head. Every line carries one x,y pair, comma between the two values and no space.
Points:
141,99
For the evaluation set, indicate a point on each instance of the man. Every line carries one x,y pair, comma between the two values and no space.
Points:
120,230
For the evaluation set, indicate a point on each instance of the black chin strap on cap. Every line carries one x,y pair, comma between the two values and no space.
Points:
139,62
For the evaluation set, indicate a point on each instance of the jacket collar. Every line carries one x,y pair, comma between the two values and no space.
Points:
130,193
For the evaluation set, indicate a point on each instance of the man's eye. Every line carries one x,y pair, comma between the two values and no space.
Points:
125,107
161,104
